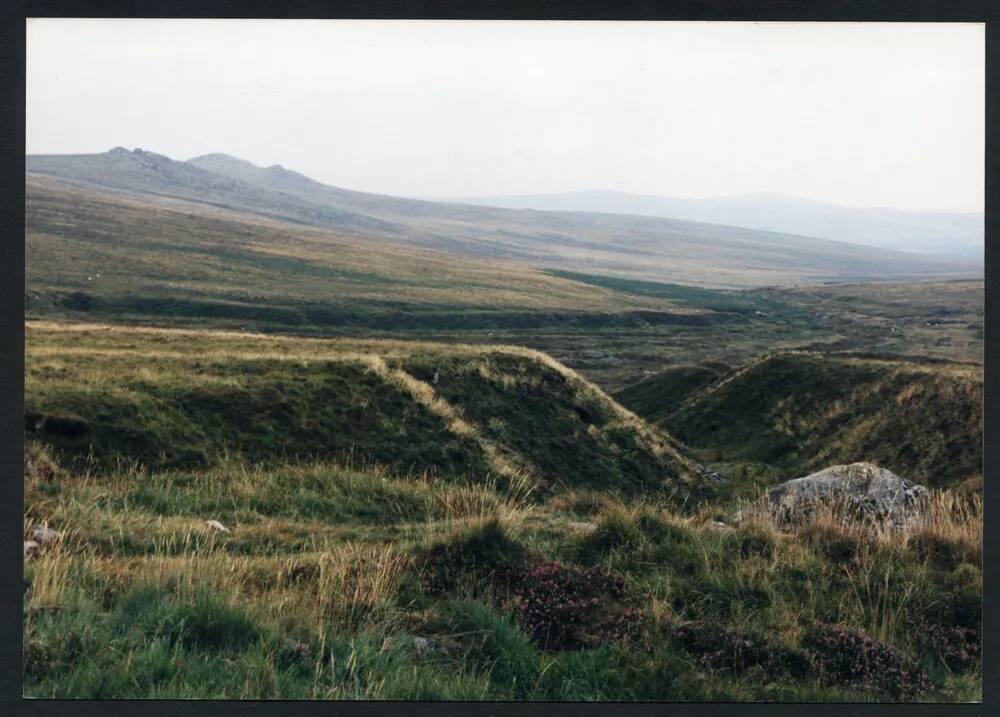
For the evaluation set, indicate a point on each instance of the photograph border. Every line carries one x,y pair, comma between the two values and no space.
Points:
12,146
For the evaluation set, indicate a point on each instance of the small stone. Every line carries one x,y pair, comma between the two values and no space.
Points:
423,645
217,526
44,536
711,476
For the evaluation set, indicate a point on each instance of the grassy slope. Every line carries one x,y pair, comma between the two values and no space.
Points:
657,396
527,584
187,265
329,557
353,584
147,252
182,398
797,412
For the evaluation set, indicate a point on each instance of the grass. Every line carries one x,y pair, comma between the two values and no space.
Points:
315,606
639,247
349,574
99,393
659,395
794,412
428,491
98,256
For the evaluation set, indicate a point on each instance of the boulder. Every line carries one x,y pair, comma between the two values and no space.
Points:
866,491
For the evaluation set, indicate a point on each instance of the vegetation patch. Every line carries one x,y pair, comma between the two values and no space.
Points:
640,538
656,397
484,552
849,657
790,411
565,607
717,647
345,578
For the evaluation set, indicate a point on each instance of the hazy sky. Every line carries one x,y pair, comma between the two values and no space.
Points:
860,114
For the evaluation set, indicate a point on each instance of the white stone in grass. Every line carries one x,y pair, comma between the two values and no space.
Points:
423,645
44,536
31,549
217,526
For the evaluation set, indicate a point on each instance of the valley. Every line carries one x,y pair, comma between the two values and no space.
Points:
289,441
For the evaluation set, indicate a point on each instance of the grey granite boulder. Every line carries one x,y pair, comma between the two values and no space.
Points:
862,490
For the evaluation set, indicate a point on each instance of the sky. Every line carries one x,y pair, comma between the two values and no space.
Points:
861,114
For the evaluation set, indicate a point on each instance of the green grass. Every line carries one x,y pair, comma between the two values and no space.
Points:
796,412
93,255
569,436
715,300
659,395
103,395
263,409
422,508
344,579
299,601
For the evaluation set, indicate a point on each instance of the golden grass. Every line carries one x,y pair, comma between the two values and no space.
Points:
944,513
49,574
503,461
421,275
482,501
355,580
882,590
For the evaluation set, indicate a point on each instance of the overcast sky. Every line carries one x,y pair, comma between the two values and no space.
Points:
858,114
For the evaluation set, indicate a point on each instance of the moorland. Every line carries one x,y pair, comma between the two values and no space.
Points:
459,452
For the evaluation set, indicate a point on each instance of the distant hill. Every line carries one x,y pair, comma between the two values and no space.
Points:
948,234
148,173
797,412
95,253
632,246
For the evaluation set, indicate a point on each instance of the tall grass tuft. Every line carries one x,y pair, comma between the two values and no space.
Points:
357,581
49,576
508,502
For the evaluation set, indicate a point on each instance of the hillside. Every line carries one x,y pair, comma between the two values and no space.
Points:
954,234
360,519
656,396
634,246
98,255
183,399
102,253
798,412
